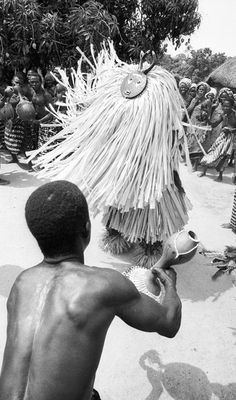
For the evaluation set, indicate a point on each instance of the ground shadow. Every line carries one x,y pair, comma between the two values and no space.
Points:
21,178
8,274
233,332
194,280
213,174
181,381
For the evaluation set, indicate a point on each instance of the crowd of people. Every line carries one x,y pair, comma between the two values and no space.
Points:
72,303
210,126
18,133
210,118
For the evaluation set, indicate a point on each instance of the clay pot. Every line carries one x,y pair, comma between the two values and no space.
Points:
25,110
8,91
6,112
185,242
178,249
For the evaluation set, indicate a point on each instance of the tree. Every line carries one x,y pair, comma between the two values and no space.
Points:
44,32
197,66
202,62
40,33
155,21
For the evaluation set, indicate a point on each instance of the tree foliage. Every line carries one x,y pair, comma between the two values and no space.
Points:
44,32
47,32
161,20
197,66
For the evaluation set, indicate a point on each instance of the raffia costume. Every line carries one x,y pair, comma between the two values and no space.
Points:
122,151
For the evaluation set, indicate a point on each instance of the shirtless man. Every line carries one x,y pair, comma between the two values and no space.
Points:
59,311
41,100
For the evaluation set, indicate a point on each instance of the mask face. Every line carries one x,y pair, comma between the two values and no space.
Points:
133,85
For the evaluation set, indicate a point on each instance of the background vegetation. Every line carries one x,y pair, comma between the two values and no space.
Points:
46,33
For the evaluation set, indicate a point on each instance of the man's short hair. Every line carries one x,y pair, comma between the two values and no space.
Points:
56,213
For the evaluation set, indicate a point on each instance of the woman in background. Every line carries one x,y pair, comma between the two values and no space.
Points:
199,112
219,154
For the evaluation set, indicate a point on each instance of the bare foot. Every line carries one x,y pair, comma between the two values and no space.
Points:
202,174
226,226
4,182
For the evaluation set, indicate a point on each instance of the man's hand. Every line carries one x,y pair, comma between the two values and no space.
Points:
167,277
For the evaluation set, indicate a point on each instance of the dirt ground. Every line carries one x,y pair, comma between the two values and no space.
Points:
200,362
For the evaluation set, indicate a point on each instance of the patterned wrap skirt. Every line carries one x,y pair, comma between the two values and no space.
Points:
2,132
14,135
219,153
233,215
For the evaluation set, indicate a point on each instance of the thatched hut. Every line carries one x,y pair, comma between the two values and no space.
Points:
224,75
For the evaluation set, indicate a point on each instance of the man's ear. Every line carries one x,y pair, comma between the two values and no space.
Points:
88,229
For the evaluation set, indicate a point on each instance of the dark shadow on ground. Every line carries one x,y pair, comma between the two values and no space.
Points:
21,179
8,274
213,174
182,381
194,280
233,330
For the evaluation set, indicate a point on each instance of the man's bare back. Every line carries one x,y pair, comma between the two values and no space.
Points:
58,315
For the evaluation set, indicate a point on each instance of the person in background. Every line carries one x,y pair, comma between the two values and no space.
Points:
50,84
199,112
219,154
41,100
60,310
14,136
202,89
232,224
193,91
184,86
3,86
211,99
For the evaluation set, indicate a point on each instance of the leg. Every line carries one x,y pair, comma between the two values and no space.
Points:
203,173
14,158
220,177
234,172
4,182
226,226
195,165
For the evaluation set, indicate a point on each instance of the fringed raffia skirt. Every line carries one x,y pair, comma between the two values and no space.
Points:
157,224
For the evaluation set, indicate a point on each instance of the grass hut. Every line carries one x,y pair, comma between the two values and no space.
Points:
224,75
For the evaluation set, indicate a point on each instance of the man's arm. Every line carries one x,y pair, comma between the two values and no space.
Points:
14,373
142,312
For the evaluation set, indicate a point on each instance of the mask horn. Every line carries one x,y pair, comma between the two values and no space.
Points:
154,62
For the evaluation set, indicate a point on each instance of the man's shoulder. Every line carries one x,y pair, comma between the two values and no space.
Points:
115,285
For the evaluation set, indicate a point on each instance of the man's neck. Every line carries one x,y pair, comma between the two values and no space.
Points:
57,259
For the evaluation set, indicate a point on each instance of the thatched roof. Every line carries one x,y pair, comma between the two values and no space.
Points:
224,75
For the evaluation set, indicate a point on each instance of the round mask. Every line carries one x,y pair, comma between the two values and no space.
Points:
133,85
